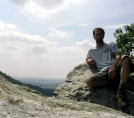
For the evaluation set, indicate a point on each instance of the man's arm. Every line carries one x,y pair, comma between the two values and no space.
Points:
112,70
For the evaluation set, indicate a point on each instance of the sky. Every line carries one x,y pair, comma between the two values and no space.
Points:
49,38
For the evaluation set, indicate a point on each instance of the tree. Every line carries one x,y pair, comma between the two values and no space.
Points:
125,40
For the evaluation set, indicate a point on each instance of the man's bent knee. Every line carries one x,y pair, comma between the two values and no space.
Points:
126,60
89,83
93,84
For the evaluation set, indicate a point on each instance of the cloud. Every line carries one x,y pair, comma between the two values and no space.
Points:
5,27
43,8
58,13
115,26
59,34
23,43
85,45
85,24
14,41
34,56
21,2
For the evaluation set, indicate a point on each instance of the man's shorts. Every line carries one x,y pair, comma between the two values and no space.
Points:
103,75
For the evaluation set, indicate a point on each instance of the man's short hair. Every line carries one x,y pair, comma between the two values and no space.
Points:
99,28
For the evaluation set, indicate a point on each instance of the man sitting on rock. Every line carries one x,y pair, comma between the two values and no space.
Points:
112,69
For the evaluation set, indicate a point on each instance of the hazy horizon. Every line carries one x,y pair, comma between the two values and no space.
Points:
41,81
35,78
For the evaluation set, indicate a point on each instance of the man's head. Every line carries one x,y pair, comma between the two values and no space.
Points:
98,34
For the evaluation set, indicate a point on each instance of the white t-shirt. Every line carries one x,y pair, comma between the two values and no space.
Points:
104,55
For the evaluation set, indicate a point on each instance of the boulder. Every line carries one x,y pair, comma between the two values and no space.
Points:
75,88
18,101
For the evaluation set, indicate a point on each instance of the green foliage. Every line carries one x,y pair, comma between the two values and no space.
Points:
125,40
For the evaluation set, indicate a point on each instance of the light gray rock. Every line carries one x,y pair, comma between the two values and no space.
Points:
75,88
22,102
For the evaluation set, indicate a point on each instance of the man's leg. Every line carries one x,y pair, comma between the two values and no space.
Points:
124,75
125,70
93,84
97,80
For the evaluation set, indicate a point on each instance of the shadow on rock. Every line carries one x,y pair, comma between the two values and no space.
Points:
75,88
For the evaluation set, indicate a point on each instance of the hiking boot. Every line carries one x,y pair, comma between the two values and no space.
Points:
121,97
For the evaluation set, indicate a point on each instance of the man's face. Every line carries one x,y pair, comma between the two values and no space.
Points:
98,36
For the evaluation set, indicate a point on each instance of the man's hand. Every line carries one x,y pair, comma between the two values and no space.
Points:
91,62
111,72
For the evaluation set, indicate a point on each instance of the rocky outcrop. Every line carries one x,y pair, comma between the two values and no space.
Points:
75,88
17,101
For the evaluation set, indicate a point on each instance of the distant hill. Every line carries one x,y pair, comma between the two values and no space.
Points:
45,83
47,91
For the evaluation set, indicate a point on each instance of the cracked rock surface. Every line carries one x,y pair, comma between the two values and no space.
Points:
71,100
